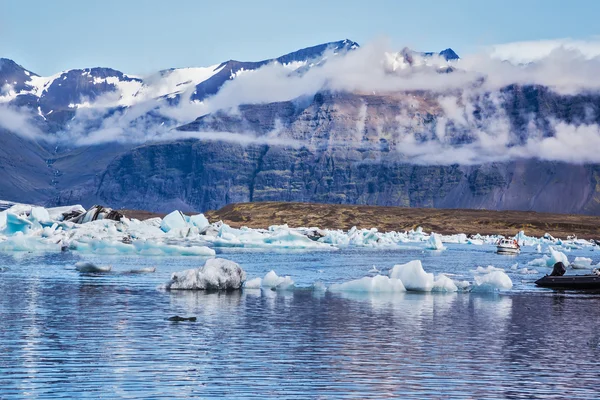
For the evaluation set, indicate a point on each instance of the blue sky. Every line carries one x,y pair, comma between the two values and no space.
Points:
142,36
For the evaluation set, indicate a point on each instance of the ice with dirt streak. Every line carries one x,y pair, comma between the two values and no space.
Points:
216,274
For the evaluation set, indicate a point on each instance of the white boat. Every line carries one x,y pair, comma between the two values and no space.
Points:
508,246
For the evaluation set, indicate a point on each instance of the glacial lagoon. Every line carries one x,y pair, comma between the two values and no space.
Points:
73,335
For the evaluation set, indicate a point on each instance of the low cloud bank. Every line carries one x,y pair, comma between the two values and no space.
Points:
565,67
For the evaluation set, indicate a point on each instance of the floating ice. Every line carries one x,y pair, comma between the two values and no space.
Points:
146,270
444,284
200,222
272,280
21,242
15,224
435,242
413,276
526,271
88,267
216,274
492,281
39,214
582,263
486,270
376,284
557,256
253,283
174,220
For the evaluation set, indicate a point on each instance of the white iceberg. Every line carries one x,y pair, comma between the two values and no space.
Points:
435,242
272,280
492,281
216,274
376,284
174,220
200,222
444,284
557,256
253,283
413,276
582,263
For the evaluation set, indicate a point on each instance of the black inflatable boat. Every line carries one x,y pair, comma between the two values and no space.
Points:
570,282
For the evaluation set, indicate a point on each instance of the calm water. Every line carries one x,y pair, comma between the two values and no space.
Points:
68,335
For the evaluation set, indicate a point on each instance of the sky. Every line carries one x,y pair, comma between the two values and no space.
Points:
143,36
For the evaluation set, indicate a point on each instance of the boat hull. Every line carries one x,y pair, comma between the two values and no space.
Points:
507,250
570,282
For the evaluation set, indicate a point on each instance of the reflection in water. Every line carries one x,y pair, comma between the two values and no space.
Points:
108,336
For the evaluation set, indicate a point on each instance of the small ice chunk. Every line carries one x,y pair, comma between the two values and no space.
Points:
319,286
216,274
435,242
582,263
174,220
492,281
444,284
39,214
253,283
376,284
538,248
272,280
486,270
146,270
413,276
557,256
88,267
200,222
526,271
15,223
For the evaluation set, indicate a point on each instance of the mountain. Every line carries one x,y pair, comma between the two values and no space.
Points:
350,145
334,163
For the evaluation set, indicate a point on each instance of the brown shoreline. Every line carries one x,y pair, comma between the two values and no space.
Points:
444,221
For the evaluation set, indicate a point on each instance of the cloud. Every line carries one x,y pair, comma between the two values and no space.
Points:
565,66
19,121
536,50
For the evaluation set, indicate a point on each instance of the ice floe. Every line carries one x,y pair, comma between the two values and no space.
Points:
216,274
375,284
273,281
491,281
88,267
413,276
435,242
101,230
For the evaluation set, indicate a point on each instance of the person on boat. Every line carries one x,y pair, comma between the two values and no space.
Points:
559,269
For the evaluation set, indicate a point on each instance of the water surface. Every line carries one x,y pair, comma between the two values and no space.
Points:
63,334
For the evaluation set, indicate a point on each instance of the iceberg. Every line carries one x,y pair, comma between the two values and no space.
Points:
435,242
200,222
15,224
557,256
253,283
491,282
88,267
272,280
444,284
376,284
174,220
39,214
216,274
582,263
413,276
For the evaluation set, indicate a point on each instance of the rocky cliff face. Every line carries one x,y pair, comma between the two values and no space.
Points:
347,149
203,175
